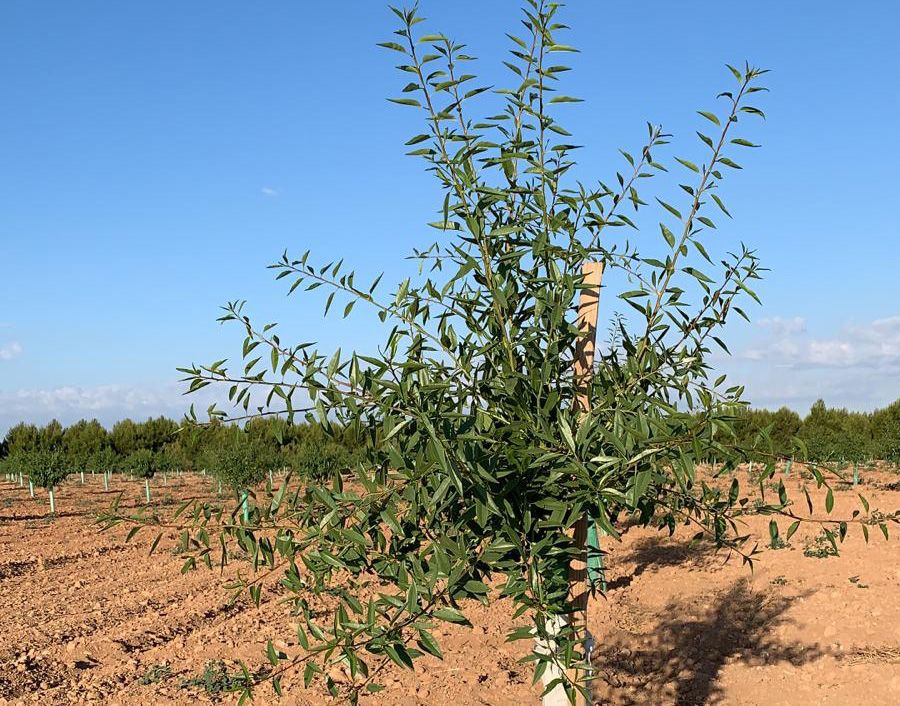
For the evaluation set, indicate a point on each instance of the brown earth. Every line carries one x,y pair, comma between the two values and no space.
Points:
87,618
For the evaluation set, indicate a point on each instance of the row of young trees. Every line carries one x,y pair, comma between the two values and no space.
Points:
155,445
239,457
825,433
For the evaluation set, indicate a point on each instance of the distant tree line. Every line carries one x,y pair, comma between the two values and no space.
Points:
827,433
239,456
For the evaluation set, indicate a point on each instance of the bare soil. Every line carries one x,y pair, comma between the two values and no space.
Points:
87,618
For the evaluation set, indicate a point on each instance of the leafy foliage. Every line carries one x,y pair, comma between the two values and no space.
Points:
82,440
485,448
321,461
238,463
46,468
142,463
103,460
87,446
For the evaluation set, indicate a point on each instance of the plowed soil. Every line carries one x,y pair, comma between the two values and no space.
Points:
87,618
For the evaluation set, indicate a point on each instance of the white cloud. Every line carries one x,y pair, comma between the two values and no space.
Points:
856,367
107,403
874,345
10,350
269,191
782,327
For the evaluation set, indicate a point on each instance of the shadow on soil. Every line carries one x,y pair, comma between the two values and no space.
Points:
679,661
42,517
657,554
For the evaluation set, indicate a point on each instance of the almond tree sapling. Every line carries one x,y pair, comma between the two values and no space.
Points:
142,463
480,459
12,465
240,465
210,460
320,461
269,459
47,468
103,461
166,462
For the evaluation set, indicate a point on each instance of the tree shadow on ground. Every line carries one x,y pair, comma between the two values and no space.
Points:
655,553
679,660
45,516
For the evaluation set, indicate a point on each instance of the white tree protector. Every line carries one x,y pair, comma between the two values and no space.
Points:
557,696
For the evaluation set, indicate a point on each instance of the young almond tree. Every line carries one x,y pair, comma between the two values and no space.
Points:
320,461
47,468
142,463
241,465
492,434
103,461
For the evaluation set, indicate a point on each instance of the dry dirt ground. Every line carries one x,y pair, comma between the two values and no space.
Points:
87,618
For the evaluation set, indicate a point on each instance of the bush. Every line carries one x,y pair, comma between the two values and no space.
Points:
103,461
320,461
46,468
166,460
142,463
239,464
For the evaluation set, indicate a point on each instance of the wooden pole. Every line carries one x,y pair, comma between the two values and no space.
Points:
588,308
588,311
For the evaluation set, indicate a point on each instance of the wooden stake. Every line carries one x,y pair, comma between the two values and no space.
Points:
588,308
588,311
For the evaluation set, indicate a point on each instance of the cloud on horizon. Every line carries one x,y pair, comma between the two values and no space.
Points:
875,344
858,367
107,403
11,350
110,403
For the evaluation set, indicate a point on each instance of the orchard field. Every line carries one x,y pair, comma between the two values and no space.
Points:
91,618
487,501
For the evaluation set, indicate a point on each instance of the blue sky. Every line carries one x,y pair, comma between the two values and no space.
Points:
156,156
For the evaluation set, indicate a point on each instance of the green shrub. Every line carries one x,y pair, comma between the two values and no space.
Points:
142,463
320,461
46,468
103,461
239,464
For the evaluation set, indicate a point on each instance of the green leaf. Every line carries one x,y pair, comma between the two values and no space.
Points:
793,528
476,587
773,533
720,204
728,163
450,615
429,644
671,209
393,46
690,165
406,101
